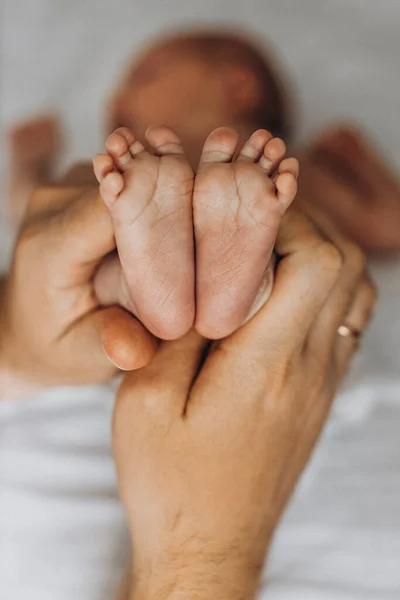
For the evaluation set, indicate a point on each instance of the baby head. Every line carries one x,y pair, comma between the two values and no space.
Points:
198,81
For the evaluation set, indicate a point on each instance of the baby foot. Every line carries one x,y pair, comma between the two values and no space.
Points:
34,146
149,196
238,204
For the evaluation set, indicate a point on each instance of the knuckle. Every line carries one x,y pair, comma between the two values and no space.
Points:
281,368
330,256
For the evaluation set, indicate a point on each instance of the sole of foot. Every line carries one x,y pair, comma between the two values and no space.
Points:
238,202
149,196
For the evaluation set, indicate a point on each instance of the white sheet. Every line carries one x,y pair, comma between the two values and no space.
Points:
61,527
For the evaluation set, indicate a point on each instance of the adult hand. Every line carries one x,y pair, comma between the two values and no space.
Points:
345,176
209,447
51,322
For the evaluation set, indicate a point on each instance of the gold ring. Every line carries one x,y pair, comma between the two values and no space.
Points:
347,331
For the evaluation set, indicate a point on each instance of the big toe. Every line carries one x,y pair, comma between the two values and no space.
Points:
164,140
220,146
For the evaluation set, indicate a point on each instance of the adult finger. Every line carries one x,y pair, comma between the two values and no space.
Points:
92,340
354,324
69,231
125,341
324,330
308,268
72,228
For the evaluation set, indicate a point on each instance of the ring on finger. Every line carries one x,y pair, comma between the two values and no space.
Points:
346,331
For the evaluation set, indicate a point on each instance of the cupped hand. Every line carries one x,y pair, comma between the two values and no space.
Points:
209,441
52,325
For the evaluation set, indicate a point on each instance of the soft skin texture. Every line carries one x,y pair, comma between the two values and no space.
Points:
209,443
231,209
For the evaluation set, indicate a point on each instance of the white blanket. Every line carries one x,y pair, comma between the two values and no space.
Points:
62,533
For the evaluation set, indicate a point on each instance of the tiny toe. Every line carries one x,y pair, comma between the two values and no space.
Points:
254,147
289,165
136,148
117,146
126,134
220,146
102,166
274,152
164,140
110,188
286,189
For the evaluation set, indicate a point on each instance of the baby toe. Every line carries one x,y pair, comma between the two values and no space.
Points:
286,189
117,146
111,187
102,166
164,140
254,147
290,165
220,146
273,154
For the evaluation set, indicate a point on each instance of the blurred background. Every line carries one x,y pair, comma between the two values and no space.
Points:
65,56
341,58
